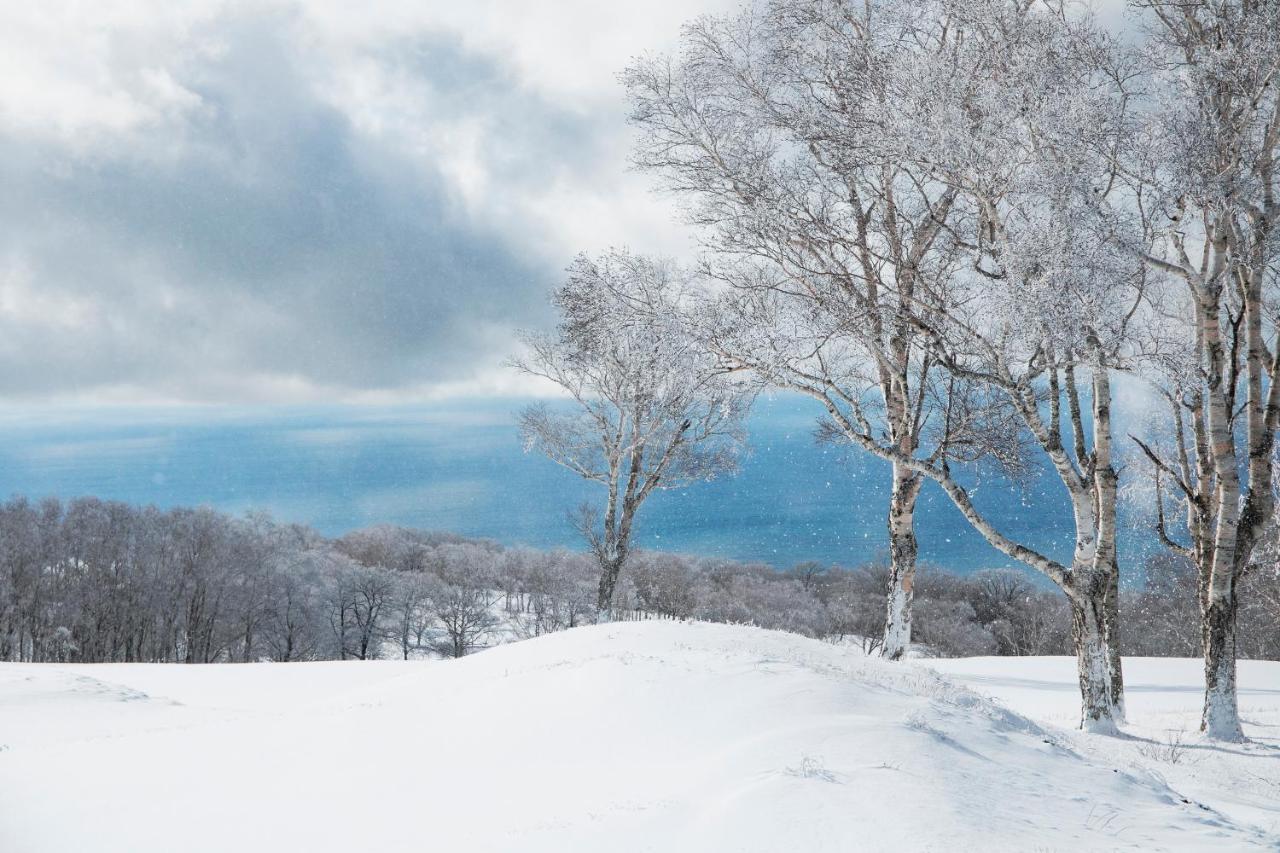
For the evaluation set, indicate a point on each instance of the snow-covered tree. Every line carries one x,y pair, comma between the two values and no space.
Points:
1206,177
775,126
664,585
461,595
1027,132
649,410
295,627
358,597
410,611
901,198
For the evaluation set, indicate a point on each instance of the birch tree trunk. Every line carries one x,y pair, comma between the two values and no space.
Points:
613,554
1111,630
1220,719
1106,560
1088,595
902,564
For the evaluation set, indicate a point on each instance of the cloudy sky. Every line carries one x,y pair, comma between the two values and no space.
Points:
319,201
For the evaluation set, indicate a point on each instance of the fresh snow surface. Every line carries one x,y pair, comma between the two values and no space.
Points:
1163,698
625,737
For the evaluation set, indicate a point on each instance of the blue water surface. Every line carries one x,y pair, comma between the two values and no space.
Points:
459,466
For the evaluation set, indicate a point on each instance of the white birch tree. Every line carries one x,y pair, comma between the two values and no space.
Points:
648,409
773,125
804,134
1028,135
1206,182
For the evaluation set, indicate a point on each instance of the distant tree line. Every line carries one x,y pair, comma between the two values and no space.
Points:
96,581
92,580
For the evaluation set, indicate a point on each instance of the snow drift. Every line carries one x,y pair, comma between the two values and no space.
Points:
637,736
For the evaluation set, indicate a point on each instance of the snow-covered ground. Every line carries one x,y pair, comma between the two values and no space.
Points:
640,736
1163,698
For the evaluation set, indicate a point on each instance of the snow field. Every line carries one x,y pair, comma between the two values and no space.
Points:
626,737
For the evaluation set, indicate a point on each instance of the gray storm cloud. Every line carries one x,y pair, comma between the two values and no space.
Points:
267,243
270,200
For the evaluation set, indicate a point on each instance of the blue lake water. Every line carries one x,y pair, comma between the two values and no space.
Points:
459,466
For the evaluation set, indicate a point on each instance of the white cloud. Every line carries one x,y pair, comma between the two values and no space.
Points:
306,200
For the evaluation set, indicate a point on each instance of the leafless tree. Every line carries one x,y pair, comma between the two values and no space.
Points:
1028,137
1206,178
1022,618
900,196
776,125
648,411
410,611
1166,609
560,590
664,585
462,597
294,629
134,611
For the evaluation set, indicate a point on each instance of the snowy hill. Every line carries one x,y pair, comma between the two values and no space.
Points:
641,736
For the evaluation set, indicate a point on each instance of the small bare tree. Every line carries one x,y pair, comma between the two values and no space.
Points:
649,409
410,610
461,596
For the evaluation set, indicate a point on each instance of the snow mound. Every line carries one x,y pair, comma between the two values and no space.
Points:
639,736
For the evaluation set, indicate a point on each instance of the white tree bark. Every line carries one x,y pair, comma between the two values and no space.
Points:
903,551
1220,719
1100,706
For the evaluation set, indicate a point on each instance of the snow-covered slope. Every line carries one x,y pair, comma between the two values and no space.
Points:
641,736
1163,698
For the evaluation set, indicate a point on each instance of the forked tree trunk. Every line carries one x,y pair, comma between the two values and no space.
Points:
1221,717
903,551
1094,666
